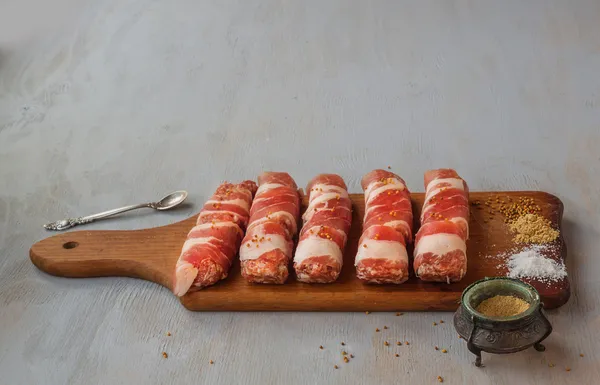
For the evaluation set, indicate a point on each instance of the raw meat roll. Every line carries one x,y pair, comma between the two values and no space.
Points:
266,250
440,245
212,244
387,228
327,220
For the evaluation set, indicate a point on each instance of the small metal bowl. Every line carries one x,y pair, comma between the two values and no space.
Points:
501,335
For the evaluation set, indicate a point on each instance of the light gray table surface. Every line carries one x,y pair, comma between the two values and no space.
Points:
112,102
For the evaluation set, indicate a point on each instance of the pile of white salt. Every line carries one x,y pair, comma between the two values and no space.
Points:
530,262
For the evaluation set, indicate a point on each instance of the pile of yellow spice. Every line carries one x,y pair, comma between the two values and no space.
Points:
513,210
502,306
532,228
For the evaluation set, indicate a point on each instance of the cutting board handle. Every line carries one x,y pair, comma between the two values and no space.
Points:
147,254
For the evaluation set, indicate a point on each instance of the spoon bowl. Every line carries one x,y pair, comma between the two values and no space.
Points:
171,200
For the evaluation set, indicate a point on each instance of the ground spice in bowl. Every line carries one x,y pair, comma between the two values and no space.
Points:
502,306
532,228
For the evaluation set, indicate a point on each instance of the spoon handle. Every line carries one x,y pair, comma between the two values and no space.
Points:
110,213
71,222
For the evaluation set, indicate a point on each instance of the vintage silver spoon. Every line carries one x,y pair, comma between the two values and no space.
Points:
165,203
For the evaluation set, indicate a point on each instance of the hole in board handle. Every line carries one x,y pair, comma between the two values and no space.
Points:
70,245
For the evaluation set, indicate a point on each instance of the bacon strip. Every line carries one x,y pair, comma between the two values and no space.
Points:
327,220
387,228
266,250
211,245
440,247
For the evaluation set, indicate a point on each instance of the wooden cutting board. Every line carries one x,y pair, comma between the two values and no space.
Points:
151,254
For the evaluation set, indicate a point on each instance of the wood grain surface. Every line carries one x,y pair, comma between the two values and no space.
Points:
151,254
